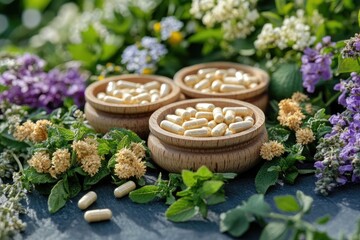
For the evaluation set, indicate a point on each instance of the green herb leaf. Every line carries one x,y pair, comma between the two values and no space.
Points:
347,65
74,186
103,147
264,179
58,196
226,176
235,222
31,175
205,35
181,210
66,134
216,198
257,205
290,177
102,173
188,178
305,201
204,173
323,220
145,194
274,230
211,187
287,203
278,134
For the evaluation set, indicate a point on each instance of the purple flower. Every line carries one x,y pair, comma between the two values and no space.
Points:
352,47
316,66
30,85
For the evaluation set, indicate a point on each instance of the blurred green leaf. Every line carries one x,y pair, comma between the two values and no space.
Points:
36,4
274,19
205,35
347,65
287,203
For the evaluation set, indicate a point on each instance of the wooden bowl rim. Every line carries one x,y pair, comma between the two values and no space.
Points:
218,142
133,108
242,94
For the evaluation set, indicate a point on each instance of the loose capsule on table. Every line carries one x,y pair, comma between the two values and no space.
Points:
87,200
98,215
124,189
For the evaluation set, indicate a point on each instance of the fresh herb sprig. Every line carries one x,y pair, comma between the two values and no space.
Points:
289,225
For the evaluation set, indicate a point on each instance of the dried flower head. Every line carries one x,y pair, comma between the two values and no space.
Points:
299,97
290,114
271,149
91,164
39,133
40,161
138,149
60,162
86,147
128,165
304,136
309,109
23,132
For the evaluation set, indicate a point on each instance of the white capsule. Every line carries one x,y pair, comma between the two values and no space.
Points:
208,115
206,90
220,74
172,127
151,85
175,119
239,111
238,119
196,123
110,88
164,89
219,130
111,99
199,132
144,102
249,119
233,80
231,88
153,91
218,115
98,215
215,86
239,75
228,132
202,72
124,189
127,97
117,93
154,97
192,111
229,117
87,200
100,96
205,107
231,71
212,124
210,76
184,114
253,85
141,97
240,126
191,80
125,84
205,83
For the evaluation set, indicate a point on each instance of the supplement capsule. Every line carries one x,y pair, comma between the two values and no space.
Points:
220,74
205,83
174,118
184,114
164,89
218,115
98,215
100,96
231,88
191,80
124,189
212,124
110,88
253,85
249,119
144,102
153,91
206,90
238,119
117,93
111,99
196,123
154,97
239,111
199,132
210,76
228,132
208,115
140,90
172,127
219,130
229,117
215,86
126,84
127,97
87,200
233,80
240,126
142,97
205,107
202,72
192,111
231,71
239,75
151,85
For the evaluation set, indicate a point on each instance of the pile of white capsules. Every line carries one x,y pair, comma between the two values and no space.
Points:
125,92
105,213
207,120
214,80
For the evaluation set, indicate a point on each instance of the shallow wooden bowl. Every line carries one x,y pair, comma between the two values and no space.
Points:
257,96
103,116
233,153
93,89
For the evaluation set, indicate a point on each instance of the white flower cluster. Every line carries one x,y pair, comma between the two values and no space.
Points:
122,7
237,17
293,33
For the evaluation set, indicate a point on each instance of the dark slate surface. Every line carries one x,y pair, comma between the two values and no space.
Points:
133,221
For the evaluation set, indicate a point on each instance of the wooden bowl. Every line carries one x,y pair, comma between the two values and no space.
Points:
257,96
103,116
233,153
